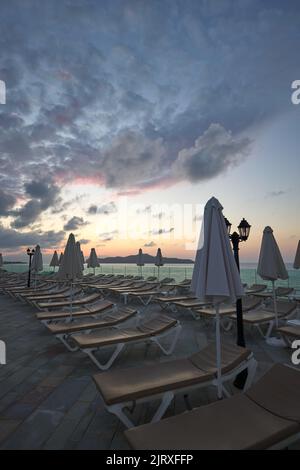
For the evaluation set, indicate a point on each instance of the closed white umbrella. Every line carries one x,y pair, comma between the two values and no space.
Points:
54,261
71,267
215,276
1,260
60,259
93,260
270,264
297,257
80,255
37,262
140,262
159,260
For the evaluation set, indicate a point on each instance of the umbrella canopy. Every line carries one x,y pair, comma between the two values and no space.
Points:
70,267
159,259
37,260
270,264
93,259
54,261
215,276
60,259
140,258
80,255
1,260
297,257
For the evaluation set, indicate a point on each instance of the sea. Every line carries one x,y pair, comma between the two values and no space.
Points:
176,271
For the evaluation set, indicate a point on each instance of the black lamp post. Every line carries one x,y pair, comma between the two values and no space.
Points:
236,238
30,254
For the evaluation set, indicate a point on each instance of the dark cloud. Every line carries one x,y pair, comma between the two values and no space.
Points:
10,238
84,241
43,194
124,93
150,244
74,223
108,208
161,231
276,193
7,201
92,210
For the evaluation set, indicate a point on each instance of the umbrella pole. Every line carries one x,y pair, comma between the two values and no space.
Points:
218,354
71,302
275,304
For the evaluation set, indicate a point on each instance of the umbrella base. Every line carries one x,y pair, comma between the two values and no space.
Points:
276,342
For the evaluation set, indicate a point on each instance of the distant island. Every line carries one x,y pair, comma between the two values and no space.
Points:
147,259
14,262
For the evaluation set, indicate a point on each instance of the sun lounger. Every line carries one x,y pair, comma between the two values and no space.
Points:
151,330
289,332
87,299
265,317
279,291
65,315
48,290
255,288
55,297
123,388
267,416
64,330
166,301
225,311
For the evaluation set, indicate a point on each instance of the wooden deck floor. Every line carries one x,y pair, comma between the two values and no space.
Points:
48,399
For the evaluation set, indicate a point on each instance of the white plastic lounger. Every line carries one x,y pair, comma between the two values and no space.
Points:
65,331
151,330
122,389
267,416
65,315
87,299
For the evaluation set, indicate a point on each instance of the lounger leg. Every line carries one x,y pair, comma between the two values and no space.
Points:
90,353
118,411
286,340
165,402
251,366
270,328
68,346
171,348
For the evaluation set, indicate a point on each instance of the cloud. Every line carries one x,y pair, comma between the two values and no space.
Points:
92,209
108,236
150,244
10,238
214,152
159,215
132,106
108,208
160,231
276,193
84,241
7,201
43,195
144,210
74,223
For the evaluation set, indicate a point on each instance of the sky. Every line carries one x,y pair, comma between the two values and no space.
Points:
123,117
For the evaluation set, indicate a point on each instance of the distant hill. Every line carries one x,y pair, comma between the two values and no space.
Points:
147,259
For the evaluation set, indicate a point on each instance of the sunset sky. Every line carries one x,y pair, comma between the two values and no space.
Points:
123,117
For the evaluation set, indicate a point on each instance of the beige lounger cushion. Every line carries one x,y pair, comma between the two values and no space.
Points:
190,303
174,298
279,392
112,319
290,330
88,311
240,422
81,301
267,314
137,382
234,423
109,337
248,304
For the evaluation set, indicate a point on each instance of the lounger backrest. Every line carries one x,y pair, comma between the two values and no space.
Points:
278,391
284,290
284,307
156,324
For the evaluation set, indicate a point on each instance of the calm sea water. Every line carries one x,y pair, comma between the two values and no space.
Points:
176,271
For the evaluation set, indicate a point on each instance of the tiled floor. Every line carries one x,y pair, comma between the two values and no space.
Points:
48,399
